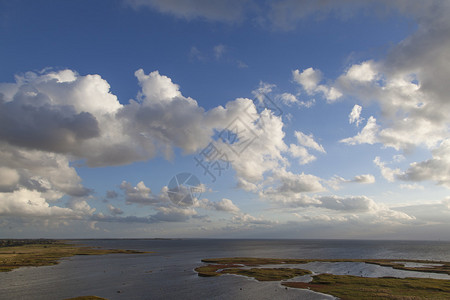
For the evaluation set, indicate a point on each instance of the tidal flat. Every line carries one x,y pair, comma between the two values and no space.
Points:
342,286
46,252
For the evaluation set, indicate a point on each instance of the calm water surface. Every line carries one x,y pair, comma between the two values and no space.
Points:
168,273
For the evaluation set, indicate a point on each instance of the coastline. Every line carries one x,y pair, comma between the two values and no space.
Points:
342,286
42,252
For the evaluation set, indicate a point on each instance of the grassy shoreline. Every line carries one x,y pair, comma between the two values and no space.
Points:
35,253
342,286
441,266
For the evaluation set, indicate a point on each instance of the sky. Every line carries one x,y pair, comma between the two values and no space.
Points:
225,119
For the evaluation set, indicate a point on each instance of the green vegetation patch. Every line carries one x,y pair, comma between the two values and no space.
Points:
441,266
342,286
268,274
349,287
211,270
87,298
34,255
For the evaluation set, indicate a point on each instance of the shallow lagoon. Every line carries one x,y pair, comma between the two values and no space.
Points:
168,273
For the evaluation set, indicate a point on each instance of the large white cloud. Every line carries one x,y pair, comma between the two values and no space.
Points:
54,118
27,203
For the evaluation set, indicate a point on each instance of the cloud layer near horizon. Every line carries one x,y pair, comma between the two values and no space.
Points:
50,121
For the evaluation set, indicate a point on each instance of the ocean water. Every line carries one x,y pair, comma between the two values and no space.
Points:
168,272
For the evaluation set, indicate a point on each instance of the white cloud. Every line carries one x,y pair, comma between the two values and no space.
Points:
74,117
289,99
348,204
309,79
308,141
355,115
368,134
348,209
285,186
437,168
26,203
156,88
365,178
300,151
224,205
388,173
173,214
336,181
140,194
364,72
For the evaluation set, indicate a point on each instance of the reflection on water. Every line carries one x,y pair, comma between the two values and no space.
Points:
168,273
356,269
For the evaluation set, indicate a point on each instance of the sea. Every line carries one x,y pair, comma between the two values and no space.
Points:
168,272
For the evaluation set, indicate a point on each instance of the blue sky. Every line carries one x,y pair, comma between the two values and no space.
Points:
102,103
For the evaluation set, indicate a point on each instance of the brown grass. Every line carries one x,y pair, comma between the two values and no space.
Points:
353,287
87,298
394,263
34,255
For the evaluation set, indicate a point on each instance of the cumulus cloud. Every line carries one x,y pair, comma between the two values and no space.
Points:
224,205
115,210
285,186
436,168
408,84
309,79
289,99
27,203
79,119
336,181
409,87
347,204
173,214
365,178
355,115
48,173
368,134
300,151
139,194
308,141
347,209
388,173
